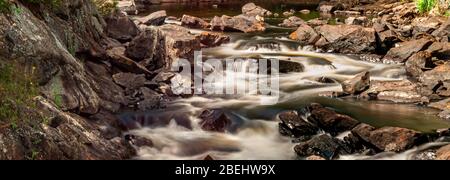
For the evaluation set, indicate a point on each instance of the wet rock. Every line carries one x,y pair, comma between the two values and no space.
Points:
437,80
389,139
143,5
357,21
357,84
401,91
121,27
117,57
316,22
214,120
330,121
407,49
179,43
305,11
138,141
347,38
194,22
292,21
163,77
154,19
330,7
251,9
290,66
425,155
418,63
213,39
305,34
322,145
147,45
129,80
294,125
443,153
241,23
208,158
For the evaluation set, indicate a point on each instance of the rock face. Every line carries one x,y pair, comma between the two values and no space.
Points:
357,84
251,9
194,22
292,124
390,139
214,120
243,23
305,34
407,49
52,45
121,27
154,19
330,121
347,38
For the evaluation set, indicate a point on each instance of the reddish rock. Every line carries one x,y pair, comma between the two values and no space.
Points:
194,22
214,120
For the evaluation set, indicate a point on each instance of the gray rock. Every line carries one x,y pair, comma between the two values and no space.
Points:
357,84
154,19
120,27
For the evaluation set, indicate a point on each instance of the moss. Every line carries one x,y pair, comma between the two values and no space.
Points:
105,7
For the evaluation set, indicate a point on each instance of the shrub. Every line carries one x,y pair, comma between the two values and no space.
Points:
425,6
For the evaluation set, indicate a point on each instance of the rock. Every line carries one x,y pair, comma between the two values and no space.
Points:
179,43
127,7
407,49
315,158
163,77
212,39
441,105
389,139
305,34
348,38
316,22
292,21
322,145
151,100
437,80
418,63
241,23
357,21
305,11
347,13
388,39
208,158
401,91
214,120
443,153
330,8
276,15
292,124
121,27
330,121
443,32
251,9
425,25
194,22
129,80
117,57
287,66
288,14
147,45
144,5
154,19
357,84
440,50
138,140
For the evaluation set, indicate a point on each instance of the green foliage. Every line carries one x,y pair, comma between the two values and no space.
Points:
105,7
425,6
17,89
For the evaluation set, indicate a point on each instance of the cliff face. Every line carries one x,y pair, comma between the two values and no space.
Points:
62,43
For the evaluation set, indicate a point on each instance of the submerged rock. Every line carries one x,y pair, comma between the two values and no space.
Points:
389,139
358,84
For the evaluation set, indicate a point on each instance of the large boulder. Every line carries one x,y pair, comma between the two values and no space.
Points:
389,139
252,9
357,84
121,27
330,121
243,23
154,19
148,46
293,124
418,63
440,50
406,49
179,43
292,21
194,22
443,32
347,38
305,34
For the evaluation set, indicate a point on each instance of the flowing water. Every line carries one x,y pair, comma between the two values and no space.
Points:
254,134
